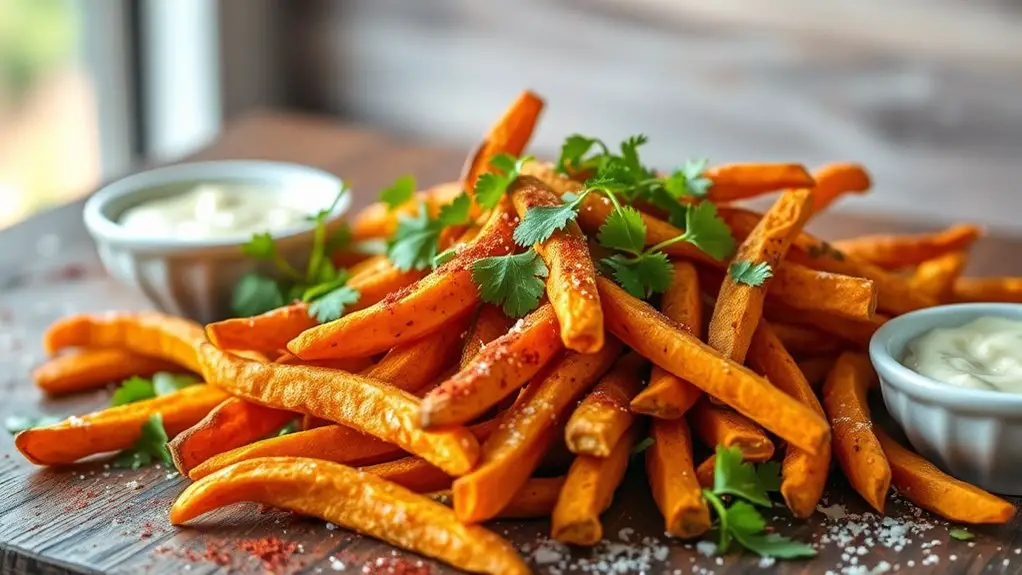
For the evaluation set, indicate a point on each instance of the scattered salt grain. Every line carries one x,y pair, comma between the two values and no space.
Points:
766,562
706,548
133,484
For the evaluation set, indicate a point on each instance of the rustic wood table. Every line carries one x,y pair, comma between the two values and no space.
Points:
92,518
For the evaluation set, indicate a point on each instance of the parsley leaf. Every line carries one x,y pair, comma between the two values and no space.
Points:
733,476
255,294
133,389
641,275
400,192
511,281
705,230
18,423
541,222
750,274
330,306
960,534
150,446
623,230
490,187
165,383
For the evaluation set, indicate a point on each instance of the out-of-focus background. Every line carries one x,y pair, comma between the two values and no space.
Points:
927,93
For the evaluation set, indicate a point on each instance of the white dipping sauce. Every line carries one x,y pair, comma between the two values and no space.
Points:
210,211
985,353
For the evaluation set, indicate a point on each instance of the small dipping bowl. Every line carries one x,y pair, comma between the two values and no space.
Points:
195,277
974,434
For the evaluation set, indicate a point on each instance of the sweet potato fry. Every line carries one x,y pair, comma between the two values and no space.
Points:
937,277
413,473
855,445
233,423
348,364
377,220
740,305
490,324
894,252
836,180
148,333
602,417
526,431
376,284
536,498
815,369
509,135
672,478
91,368
803,476
587,492
857,332
740,181
115,428
998,289
360,402
266,333
803,339
355,500
706,470
930,488
414,365
414,311
720,426
571,285
666,344
668,396
501,368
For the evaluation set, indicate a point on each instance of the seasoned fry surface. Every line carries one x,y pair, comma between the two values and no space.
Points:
86,369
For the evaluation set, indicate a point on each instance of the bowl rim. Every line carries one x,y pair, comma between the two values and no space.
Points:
105,229
893,373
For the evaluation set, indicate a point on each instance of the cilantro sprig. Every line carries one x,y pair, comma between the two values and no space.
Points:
491,186
749,273
513,282
139,388
748,486
150,447
414,243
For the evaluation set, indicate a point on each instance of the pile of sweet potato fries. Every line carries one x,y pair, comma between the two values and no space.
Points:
423,388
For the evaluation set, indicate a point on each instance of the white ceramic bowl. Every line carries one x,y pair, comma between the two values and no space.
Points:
974,434
194,278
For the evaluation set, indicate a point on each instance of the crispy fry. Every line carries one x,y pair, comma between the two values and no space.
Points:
571,285
536,498
740,181
602,417
349,364
509,135
999,289
855,445
266,333
356,500
414,311
115,428
803,339
665,343
893,252
90,368
377,220
363,403
803,476
233,423
526,432
376,284
672,478
705,471
937,277
721,426
412,473
815,369
836,180
490,324
148,333
740,306
930,488
856,332
668,396
501,368
587,492
414,365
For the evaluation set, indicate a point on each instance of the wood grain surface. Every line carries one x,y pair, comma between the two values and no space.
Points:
95,519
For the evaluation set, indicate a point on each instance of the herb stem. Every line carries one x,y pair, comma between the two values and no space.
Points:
679,238
718,507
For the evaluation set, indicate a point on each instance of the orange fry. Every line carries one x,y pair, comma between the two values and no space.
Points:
571,285
666,344
836,180
587,492
233,423
930,488
115,428
998,289
857,332
937,277
668,396
378,220
490,324
720,426
266,333
363,403
509,135
90,368
855,445
536,498
740,305
672,478
355,500
602,417
740,181
892,252
804,339
414,365
349,364
414,311
497,371
148,333
803,476
526,432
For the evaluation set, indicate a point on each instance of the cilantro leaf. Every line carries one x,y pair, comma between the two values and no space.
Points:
165,383
133,389
733,476
260,247
255,294
511,281
445,256
414,243
18,423
750,274
291,427
401,191
643,445
340,238
541,222
642,275
705,230
689,180
623,230
630,155
773,545
573,152
456,212
317,291
503,162
150,446
490,187
330,306
960,534
769,473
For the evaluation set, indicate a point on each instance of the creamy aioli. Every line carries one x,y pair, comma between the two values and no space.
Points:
985,353
210,211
